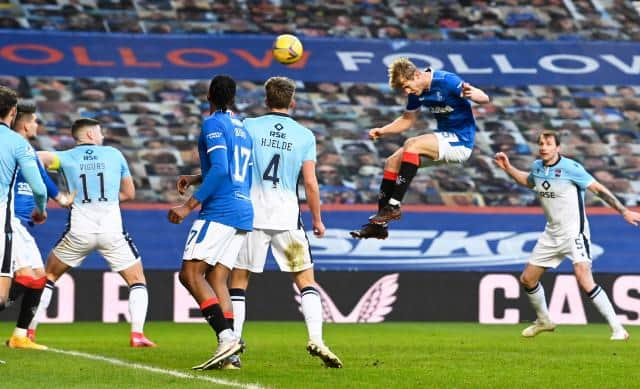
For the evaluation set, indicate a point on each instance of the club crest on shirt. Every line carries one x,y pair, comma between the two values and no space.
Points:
557,172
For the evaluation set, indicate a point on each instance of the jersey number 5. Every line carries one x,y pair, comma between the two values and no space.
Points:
241,156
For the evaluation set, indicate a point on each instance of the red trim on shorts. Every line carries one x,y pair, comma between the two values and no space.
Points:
411,158
25,280
228,315
389,175
38,283
208,302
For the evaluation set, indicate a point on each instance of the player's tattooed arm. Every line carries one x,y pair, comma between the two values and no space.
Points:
605,194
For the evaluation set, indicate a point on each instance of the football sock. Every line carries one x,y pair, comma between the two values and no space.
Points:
19,286
386,188
30,302
312,311
408,170
45,300
602,302
239,309
538,301
229,317
138,303
213,315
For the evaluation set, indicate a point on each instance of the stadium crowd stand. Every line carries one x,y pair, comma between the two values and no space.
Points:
423,20
155,124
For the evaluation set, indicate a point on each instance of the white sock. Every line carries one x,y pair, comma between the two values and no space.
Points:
22,332
602,302
227,336
538,301
312,311
45,300
138,302
394,202
239,310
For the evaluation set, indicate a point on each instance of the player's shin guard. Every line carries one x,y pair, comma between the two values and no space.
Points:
239,309
386,188
213,314
45,300
138,303
30,302
312,311
603,304
408,170
539,302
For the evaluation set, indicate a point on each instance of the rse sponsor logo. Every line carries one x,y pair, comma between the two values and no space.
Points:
214,135
429,248
547,195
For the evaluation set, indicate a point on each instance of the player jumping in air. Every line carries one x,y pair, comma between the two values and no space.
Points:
101,178
16,153
226,215
560,184
30,278
445,95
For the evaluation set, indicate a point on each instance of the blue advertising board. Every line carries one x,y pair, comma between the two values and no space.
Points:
247,57
421,241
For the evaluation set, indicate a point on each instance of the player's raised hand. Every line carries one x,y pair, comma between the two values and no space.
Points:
318,229
502,160
467,90
183,183
375,133
38,217
177,214
631,217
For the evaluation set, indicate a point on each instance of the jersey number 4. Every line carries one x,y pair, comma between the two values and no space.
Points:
271,172
85,192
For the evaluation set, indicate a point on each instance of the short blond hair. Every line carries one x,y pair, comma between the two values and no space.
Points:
401,70
279,91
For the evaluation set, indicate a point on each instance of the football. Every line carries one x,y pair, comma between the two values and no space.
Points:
287,49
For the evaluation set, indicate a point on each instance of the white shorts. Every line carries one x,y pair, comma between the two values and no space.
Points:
290,250
213,243
117,248
27,253
448,150
549,251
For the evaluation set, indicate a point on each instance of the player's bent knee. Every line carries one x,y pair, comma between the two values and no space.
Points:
527,281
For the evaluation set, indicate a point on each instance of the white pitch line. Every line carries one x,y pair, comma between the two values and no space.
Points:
173,373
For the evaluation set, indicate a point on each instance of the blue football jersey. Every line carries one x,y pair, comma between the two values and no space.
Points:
24,195
95,172
561,188
225,147
16,153
452,112
280,147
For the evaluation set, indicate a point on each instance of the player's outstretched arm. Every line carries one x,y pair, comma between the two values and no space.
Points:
312,190
474,94
605,194
521,177
185,181
49,159
401,124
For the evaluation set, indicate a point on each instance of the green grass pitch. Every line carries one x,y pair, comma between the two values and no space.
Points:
390,355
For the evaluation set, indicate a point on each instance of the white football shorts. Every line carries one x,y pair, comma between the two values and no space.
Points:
27,253
290,250
117,248
213,243
449,151
550,251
